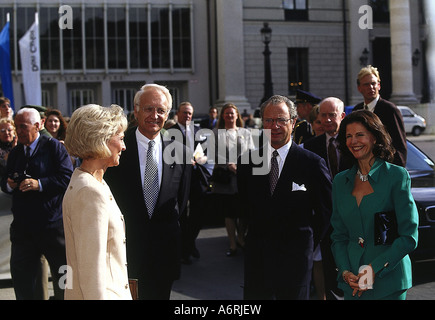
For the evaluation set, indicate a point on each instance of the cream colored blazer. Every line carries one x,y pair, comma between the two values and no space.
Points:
95,241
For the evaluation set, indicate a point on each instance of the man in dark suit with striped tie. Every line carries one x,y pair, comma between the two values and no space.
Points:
287,210
152,230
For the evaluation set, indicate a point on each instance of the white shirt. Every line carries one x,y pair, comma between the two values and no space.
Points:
142,148
283,152
371,106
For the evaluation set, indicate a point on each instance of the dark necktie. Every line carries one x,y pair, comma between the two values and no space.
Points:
151,180
366,107
332,156
274,172
27,153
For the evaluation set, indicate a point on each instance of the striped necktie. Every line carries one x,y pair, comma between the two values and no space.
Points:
151,180
274,172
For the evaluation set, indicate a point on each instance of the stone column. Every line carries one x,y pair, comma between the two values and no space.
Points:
359,39
429,9
401,53
231,57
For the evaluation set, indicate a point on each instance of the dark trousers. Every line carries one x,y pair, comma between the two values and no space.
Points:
26,250
153,289
191,222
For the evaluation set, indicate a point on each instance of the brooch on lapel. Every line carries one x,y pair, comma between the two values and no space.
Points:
361,242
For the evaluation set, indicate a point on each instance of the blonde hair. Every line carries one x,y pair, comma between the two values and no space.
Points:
91,127
368,71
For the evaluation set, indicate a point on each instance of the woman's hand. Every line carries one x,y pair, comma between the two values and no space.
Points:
354,281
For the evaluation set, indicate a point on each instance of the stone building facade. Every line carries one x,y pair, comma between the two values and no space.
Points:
210,51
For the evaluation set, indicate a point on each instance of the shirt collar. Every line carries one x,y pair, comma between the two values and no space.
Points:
283,151
33,145
373,104
144,140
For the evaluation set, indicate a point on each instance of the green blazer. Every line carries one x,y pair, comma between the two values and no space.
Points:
391,263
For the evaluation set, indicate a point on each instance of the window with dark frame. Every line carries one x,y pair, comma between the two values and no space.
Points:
169,48
381,11
297,70
295,10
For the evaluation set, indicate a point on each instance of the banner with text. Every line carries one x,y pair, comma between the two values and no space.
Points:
5,65
30,65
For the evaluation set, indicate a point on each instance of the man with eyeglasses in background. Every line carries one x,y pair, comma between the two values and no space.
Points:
287,209
151,200
331,111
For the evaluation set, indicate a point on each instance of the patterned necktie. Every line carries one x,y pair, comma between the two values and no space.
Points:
274,172
332,156
151,180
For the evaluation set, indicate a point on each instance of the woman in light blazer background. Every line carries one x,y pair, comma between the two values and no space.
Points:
93,223
371,186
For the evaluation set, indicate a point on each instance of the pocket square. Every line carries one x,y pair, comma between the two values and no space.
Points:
296,187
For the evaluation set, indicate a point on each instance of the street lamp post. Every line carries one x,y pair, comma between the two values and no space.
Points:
266,35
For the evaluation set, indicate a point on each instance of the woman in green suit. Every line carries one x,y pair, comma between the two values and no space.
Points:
370,268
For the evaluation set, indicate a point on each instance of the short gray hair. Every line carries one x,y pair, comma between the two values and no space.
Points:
34,115
276,100
153,86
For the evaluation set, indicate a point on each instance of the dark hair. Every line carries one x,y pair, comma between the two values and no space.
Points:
63,124
383,147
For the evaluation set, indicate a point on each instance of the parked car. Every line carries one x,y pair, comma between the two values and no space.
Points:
414,123
421,171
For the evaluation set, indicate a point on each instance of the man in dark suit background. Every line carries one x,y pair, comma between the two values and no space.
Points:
153,235
38,173
305,101
211,121
192,217
288,209
331,112
369,85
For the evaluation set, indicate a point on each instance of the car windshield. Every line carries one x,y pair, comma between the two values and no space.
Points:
417,160
420,167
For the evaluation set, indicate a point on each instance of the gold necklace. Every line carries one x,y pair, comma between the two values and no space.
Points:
84,170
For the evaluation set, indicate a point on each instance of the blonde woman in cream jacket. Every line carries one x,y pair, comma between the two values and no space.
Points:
93,223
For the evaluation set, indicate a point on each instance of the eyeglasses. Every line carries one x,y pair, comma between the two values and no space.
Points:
149,109
6,130
279,122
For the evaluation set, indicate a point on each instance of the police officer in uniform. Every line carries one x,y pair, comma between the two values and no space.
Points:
305,101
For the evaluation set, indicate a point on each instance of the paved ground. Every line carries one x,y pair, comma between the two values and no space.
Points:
217,277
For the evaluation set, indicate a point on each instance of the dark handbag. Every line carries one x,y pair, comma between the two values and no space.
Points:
221,175
385,228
